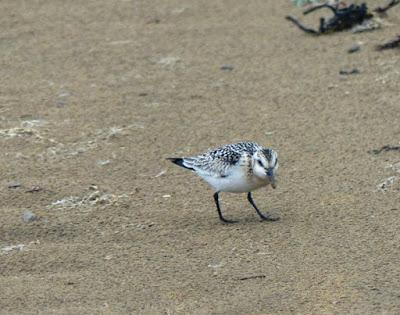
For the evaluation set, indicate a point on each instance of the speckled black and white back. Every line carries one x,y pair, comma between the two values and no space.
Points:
218,161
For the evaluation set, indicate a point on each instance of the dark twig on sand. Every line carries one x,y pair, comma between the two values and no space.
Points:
34,189
391,4
349,72
390,44
252,277
385,148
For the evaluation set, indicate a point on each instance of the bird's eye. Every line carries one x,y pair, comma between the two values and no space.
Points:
260,163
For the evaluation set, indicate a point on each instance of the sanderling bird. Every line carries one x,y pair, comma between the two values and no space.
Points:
238,168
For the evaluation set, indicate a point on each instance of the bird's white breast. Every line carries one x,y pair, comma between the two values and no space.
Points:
237,181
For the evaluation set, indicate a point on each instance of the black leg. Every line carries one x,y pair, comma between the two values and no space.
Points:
262,216
221,217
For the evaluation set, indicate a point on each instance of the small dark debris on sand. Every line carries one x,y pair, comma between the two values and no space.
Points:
390,44
153,21
34,189
385,148
252,277
227,67
349,71
14,185
382,10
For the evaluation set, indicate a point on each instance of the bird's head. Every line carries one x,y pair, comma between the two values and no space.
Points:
265,165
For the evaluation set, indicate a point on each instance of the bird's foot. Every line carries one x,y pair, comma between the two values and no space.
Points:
269,218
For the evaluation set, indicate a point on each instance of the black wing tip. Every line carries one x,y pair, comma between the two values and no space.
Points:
179,162
175,160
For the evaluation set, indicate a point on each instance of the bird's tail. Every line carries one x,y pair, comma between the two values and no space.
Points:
180,162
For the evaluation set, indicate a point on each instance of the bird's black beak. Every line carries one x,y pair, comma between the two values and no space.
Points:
271,177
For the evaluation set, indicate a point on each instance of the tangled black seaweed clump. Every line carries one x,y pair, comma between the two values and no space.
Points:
344,16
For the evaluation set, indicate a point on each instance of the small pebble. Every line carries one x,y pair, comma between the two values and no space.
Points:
64,94
62,98
227,67
215,265
61,103
29,216
153,21
349,71
10,248
103,162
93,187
353,48
14,185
